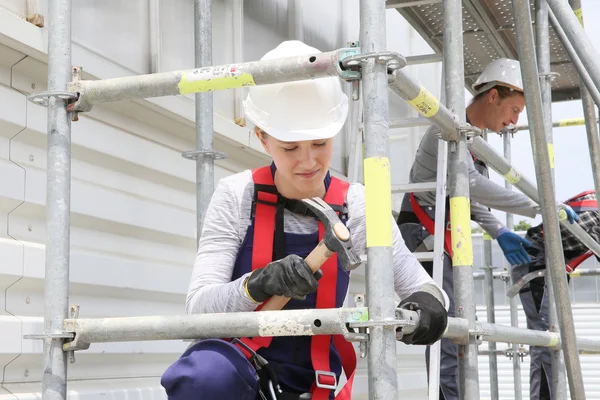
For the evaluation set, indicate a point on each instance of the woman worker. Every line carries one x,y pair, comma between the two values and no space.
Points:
255,237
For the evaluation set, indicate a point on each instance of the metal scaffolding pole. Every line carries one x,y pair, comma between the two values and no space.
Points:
491,313
553,243
542,30
332,321
382,361
578,38
458,187
562,123
589,113
204,154
583,73
458,331
578,273
58,202
514,315
207,79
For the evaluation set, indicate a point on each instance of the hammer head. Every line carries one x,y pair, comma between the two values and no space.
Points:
336,236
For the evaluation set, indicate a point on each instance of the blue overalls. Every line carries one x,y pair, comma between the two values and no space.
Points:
216,369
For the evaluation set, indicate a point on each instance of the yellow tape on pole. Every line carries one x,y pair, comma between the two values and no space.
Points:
571,122
553,340
551,154
579,14
425,103
486,236
378,201
575,274
460,223
512,176
211,79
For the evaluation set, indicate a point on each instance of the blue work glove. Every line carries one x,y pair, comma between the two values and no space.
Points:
568,213
513,247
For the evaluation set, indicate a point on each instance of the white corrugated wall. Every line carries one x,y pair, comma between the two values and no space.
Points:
133,196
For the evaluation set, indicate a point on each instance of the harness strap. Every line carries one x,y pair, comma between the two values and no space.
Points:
326,296
574,263
262,254
429,224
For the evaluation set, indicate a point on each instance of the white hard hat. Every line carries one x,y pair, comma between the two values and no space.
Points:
503,72
301,110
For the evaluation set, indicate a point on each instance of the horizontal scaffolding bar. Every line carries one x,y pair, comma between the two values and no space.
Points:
423,59
425,103
579,272
399,4
407,123
212,78
458,331
307,322
414,187
487,154
563,123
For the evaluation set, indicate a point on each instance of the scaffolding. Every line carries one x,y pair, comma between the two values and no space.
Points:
375,69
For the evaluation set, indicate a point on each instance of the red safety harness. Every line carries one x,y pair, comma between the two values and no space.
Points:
429,224
264,229
581,205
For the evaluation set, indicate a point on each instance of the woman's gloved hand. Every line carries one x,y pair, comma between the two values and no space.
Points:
513,247
290,277
433,318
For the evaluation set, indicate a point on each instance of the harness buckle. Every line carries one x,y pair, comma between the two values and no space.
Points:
325,384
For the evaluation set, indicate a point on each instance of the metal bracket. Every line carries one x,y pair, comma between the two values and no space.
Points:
551,76
73,313
522,353
360,301
347,72
195,154
43,98
394,60
470,131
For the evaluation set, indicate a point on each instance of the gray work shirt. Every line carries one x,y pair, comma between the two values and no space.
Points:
483,192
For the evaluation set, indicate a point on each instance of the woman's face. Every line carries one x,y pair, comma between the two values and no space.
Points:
501,112
301,166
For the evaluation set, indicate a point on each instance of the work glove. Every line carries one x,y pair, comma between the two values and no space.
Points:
567,212
513,247
433,318
290,277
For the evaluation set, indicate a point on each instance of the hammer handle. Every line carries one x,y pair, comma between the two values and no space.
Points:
315,260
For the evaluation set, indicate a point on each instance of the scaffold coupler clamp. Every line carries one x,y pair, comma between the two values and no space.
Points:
269,388
509,130
352,61
68,337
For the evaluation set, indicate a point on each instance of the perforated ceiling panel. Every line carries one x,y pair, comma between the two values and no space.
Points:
489,33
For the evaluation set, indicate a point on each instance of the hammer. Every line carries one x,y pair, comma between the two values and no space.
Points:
336,239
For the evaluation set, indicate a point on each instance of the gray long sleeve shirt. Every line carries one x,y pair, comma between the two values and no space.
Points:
483,192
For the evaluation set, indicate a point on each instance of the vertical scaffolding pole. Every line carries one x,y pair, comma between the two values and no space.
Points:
58,201
589,113
554,250
558,383
204,155
383,380
458,185
514,313
580,41
491,313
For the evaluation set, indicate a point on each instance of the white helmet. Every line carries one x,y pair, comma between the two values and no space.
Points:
301,110
503,72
